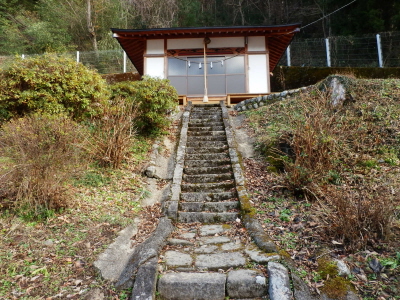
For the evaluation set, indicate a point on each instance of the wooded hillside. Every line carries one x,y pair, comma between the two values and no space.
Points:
37,26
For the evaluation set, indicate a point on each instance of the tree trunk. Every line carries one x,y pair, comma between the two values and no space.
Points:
90,26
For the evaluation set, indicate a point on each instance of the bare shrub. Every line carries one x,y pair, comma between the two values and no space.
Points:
360,216
39,155
345,156
318,138
113,134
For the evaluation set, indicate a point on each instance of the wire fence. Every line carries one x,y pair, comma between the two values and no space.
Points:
105,61
381,50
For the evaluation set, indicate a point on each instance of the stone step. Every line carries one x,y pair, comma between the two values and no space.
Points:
207,217
206,105
208,206
206,178
204,123
188,286
206,138
206,133
207,156
203,197
198,150
206,128
207,163
209,108
208,187
206,144
236,284
207,170
205,114
194,123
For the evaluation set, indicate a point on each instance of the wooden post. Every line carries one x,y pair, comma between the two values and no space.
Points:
205,98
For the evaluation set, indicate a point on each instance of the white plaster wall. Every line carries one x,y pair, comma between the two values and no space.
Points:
185,43
154,66
155,47
223,42
256,43
197,43
258,73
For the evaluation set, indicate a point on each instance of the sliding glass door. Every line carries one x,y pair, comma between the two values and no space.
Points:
225,75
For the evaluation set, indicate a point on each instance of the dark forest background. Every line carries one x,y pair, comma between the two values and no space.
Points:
37,26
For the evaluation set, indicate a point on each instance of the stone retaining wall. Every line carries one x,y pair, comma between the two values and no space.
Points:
257,102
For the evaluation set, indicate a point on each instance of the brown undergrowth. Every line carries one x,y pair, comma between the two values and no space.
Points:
333,181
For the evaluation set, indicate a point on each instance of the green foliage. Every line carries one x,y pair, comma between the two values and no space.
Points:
391,262
25,32
51,84
93,179
39,155
152,98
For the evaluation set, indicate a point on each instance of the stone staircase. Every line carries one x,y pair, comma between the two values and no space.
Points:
208,192
205,258
208,246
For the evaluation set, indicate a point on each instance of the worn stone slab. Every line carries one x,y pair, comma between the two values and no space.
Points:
205,249
208,187
213,229
221,206
188,235
178,259
179,242
199,286
220,260
208,170
111,263
242,284
258,234
214,240
144,287
279,284
199,196
203,217
206,178
191,206
143,252
231,246
260,256
195,150
206,163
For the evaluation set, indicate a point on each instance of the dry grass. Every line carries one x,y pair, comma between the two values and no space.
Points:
40,153
113,134
345,157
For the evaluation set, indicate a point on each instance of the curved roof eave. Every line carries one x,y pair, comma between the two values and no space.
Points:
133,41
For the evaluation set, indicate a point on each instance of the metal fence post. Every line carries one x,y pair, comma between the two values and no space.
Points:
289,62
77,56
379,44
124,62
328,52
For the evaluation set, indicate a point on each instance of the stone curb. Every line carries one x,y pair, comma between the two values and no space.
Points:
145,251
150,170
254,103
170,208
254,228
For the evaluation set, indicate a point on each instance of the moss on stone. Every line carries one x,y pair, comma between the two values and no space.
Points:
336,288
327,268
